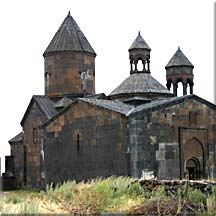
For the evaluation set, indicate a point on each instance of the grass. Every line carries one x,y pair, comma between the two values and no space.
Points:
108,195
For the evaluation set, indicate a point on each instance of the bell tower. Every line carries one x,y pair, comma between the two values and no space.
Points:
179,69
68,55
139,52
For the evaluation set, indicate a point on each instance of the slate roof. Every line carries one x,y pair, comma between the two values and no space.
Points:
139,43
162,103
131,110
140,83
96,96
113,105
44,103
179,59
69,37
63,102
17,138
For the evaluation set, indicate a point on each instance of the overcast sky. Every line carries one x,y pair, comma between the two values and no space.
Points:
111,26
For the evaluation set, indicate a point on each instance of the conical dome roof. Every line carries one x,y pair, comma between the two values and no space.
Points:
179,59
138,84
139,43
69,37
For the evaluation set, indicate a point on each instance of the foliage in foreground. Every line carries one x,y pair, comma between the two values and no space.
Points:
122,194
110,195
98,195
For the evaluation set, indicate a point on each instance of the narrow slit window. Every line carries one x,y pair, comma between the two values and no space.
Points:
78,142
192,118
35,135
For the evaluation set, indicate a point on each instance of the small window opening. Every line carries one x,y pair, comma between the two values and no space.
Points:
78,142
180,89
35,135
192,118
140,66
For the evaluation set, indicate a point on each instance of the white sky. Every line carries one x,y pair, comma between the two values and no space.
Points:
111,26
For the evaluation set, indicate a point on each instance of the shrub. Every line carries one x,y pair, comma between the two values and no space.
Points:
197,197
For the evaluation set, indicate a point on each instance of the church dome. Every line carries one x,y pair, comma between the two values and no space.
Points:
140,84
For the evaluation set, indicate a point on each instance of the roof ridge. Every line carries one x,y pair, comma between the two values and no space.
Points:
159,104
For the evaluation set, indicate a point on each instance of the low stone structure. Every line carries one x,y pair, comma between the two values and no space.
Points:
172,186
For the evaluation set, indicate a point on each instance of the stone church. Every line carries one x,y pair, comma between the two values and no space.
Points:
140,127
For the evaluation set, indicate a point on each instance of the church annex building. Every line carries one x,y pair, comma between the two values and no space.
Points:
140,127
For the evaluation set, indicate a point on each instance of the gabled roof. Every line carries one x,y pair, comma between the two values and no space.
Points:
179,59
130,110
17,138
45,105
139,43
163,103
112,105
69,37
140,83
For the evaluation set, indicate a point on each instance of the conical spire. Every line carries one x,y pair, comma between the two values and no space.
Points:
179,59
139,51
179,69
69,37
139,43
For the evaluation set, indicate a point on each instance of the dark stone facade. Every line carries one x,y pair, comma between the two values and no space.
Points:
139,128
63,71
163,140
85,142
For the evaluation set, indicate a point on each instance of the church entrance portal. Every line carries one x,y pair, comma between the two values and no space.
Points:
193,169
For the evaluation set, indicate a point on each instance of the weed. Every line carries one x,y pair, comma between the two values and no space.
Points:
211,202
13,200
28,208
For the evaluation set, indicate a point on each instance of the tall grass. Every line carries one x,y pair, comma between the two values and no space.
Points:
97,195
109,195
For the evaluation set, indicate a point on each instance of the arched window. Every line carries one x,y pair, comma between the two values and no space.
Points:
140,66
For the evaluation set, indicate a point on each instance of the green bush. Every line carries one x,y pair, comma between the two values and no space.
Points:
197,197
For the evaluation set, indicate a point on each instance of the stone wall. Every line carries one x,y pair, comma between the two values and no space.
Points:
62,73
153,136
85,142
32,167
18,155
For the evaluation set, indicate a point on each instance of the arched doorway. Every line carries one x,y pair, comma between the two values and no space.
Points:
193,159
193,168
